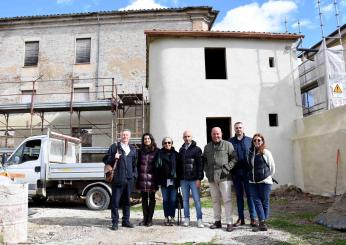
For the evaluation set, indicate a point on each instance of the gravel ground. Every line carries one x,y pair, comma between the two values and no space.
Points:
76,225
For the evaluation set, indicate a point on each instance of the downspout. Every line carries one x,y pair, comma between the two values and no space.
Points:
97,56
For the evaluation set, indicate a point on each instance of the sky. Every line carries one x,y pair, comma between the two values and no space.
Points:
234,15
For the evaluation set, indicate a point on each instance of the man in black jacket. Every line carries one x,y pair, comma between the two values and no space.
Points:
240,174
124,178
190,174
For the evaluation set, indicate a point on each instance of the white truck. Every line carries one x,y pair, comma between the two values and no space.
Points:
51,165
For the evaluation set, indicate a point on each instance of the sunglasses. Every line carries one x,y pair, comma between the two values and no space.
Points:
167,143
257,140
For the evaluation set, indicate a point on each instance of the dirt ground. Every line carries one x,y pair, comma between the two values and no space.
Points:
74,224
294,200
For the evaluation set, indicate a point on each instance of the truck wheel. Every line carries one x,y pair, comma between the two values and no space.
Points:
97,198
39,200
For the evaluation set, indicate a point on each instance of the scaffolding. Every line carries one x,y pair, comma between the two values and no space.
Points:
35,104
322,72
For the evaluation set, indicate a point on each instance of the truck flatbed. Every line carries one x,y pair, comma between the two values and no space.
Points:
76,171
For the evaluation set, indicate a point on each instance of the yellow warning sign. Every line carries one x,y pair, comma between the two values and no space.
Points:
337,89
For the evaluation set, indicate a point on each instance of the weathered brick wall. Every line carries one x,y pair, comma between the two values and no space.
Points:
121,54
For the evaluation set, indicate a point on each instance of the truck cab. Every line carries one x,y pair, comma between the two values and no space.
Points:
50,165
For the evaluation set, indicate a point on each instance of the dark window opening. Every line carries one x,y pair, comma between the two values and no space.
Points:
215,63
83,46
222,122
273,120
31,53
85,134
271,62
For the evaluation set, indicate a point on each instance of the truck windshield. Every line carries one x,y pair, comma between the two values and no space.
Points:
28,151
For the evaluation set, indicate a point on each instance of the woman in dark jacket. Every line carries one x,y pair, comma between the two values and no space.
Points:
262,167
146,181
166,165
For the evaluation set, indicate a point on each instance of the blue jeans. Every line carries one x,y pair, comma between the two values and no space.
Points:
186,186
169,197
241,184
261,196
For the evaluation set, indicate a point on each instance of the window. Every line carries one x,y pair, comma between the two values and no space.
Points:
81,94
215,63
26,96
271,62
31,53
83,50
273,120
29,151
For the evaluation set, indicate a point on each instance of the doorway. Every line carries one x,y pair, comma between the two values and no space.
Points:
224,123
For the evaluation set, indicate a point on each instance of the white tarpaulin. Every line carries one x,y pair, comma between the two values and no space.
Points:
335,76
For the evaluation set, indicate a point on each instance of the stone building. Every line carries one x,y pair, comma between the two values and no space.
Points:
81,74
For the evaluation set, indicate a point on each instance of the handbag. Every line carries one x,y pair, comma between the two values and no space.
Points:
110,171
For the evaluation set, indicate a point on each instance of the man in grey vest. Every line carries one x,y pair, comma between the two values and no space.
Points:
219,158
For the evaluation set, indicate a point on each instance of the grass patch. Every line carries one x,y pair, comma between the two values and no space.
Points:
304,230
336,242
296,223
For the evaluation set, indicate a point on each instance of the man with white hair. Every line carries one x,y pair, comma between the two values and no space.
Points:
124,178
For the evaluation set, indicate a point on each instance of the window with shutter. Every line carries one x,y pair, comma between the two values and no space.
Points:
83,50
31,53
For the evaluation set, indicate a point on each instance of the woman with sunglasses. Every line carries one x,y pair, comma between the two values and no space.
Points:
146,181
166,165
262,169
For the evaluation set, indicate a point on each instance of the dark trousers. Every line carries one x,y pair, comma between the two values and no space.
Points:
148,205
261,197
241,184
121,193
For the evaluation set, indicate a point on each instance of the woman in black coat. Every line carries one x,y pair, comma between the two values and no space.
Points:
147,182
166,163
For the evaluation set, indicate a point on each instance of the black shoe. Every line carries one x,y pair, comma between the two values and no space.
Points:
262,226
114,227
142,223
216,225
253,223
255,228
229,228
239,222
150,223
127,224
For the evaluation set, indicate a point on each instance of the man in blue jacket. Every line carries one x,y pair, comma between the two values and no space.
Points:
240,174
124,178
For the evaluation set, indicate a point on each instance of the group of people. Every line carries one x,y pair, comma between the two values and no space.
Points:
243,161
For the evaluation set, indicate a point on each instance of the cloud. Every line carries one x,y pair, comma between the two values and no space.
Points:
327,8
342,3
304,24
268,17
64,1
143,4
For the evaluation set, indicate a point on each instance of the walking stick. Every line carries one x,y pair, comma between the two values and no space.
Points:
179,205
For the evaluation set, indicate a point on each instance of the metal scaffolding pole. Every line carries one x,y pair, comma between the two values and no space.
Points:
71,103
6,132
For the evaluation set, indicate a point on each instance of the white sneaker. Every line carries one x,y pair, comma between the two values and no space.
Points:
200,223
186,222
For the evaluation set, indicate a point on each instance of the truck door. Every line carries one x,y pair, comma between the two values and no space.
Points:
26,161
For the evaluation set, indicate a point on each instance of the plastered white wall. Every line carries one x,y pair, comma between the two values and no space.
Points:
181,97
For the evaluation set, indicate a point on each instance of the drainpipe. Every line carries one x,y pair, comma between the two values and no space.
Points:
97,56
